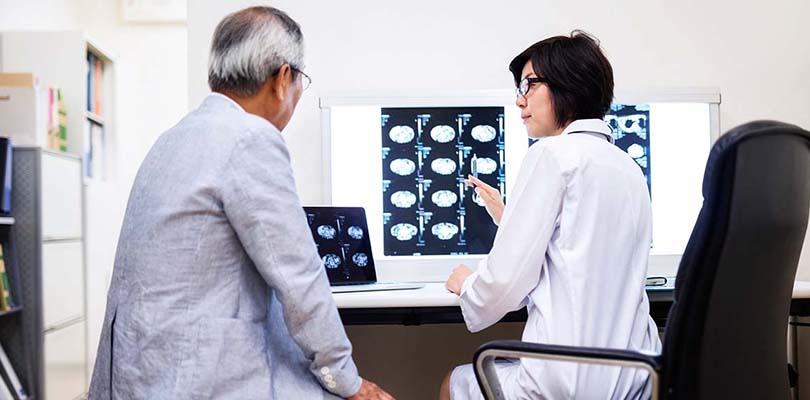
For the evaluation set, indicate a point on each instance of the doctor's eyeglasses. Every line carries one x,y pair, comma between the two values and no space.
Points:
305,79
526,83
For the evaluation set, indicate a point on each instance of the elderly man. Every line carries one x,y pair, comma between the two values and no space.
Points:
218,291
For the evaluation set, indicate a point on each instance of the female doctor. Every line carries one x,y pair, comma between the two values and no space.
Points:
573,241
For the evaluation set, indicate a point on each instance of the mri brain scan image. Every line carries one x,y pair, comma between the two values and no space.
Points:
355,232
326,232
401,134
486,165
444,198
483,133
426,154
331,261
402,166
403,199
443,166
403,232
443,133
360,259
444,230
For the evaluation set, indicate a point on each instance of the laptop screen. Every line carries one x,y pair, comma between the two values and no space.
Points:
341,236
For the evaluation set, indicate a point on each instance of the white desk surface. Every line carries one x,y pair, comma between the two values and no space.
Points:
801,290
435,295
432,295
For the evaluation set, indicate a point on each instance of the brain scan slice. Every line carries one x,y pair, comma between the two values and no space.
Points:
360,259
331,261
635,150
401,134
443,133
403,199
355,232
326,231
403,231
444,230
402,166
483,133
443,166
444,198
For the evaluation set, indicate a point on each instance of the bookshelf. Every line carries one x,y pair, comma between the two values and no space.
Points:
15,322
73,190
60,59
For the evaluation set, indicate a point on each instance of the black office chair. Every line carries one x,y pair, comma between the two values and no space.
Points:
726,332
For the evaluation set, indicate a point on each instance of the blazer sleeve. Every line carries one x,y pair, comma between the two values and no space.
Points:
513,268
262,206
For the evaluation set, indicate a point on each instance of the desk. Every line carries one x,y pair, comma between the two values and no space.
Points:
434,304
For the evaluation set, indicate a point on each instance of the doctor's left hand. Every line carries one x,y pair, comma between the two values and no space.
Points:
456,279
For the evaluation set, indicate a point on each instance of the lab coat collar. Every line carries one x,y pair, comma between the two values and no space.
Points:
594,126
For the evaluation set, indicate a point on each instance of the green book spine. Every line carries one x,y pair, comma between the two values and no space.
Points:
6,292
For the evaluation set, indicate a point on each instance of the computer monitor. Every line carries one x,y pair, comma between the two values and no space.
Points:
403,158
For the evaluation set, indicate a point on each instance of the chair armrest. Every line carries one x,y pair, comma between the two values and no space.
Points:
484,361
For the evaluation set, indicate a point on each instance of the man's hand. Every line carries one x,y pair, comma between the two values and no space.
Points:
370,391
491,197
456,279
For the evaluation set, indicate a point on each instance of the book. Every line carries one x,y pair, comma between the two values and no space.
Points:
5,291
91,62
97,71
13,380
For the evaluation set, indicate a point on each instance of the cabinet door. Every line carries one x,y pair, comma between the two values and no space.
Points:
65,362
62,282
61,197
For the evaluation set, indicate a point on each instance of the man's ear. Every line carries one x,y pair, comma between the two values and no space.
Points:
282,82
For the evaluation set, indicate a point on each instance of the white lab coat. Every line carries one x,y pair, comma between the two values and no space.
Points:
572,246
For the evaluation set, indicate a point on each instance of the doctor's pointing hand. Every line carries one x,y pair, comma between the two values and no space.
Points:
491,197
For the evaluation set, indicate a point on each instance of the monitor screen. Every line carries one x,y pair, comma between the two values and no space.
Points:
342,238
404,159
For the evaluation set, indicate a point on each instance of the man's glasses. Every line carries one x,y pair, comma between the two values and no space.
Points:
305,79
526,83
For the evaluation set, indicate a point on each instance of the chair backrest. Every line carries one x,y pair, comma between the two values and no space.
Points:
726,332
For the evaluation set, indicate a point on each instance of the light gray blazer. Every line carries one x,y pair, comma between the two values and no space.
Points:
218,291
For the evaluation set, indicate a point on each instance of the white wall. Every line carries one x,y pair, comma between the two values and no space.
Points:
39,15
755,52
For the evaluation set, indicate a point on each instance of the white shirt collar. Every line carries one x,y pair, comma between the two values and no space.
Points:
590,126
215,94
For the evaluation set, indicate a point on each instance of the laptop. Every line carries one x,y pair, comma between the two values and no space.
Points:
341,236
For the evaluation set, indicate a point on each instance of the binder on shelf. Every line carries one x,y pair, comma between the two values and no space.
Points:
11,376
5,291
95,73
97,87
57,120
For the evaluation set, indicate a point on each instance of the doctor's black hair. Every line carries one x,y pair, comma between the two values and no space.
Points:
579,75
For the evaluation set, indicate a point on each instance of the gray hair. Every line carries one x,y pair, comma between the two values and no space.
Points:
249,47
